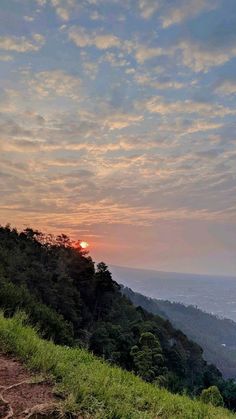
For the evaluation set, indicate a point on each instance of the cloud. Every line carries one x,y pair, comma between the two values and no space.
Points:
63,8
6,58
161,83
82,39
175,12
121,120
134,182
149,7
96,16
12,129
41,2
201,57
199,53
116,60
196,55
143,53
209,154
21,146
185,10
158,105
226,87
201,126
29,18
55,82
22,44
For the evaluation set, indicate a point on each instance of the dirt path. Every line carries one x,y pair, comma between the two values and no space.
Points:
21,397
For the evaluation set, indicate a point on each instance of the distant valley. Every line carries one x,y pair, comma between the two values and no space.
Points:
213,294
219,346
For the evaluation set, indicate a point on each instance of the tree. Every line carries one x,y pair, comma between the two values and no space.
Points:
212,395
105,290
228,390
147,357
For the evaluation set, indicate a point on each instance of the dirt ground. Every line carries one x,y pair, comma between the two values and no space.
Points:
21,396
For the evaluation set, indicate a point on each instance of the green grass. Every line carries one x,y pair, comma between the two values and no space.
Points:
93,386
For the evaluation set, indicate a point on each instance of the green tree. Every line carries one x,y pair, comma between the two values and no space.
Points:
147,357
105,290
212,395
228,391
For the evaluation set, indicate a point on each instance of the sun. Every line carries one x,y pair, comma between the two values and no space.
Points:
84,245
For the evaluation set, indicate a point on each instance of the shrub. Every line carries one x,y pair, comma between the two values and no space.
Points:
212,395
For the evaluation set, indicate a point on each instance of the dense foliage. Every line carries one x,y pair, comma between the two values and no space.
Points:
56,282
212,395
197,324
219,347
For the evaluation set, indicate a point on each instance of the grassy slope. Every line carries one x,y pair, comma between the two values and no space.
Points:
94,386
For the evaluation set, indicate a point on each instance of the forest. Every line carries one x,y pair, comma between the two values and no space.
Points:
218,347
75,303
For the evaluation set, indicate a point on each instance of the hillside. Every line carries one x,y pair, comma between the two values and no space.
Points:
56,283
219,347
73,303
91,388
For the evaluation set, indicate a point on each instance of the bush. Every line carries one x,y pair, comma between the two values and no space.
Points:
212,395
51,324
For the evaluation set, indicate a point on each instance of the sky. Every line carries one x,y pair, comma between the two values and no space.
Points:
118,127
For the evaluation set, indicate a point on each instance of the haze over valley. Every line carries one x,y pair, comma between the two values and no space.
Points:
213,294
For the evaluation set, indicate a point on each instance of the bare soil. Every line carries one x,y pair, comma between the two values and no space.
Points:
21,396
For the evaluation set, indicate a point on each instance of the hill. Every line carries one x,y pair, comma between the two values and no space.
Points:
219,347
70,301
213,294
90,387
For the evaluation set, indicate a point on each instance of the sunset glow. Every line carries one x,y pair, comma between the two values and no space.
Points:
118,124
84,245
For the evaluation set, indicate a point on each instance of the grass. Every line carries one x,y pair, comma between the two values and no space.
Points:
92,386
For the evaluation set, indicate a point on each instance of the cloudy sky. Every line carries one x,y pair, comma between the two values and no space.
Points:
118,127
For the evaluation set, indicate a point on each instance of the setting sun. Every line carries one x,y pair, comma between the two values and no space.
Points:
84,245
